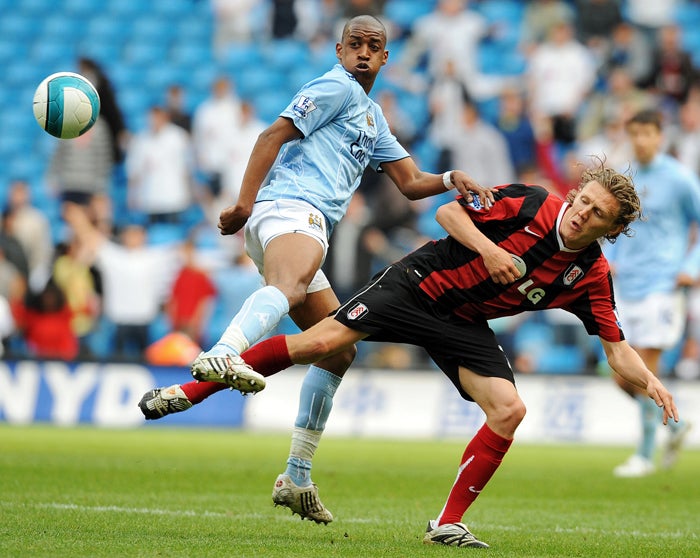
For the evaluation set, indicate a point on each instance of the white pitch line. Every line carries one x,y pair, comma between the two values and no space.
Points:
227,515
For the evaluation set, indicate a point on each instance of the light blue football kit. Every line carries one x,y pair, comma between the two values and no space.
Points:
344,131
647,263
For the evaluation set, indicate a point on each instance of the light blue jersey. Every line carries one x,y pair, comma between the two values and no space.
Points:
344,132
649,261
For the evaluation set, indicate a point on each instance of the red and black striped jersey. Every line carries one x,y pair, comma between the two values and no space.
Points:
524,221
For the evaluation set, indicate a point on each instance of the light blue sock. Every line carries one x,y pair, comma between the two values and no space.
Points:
315,403
651,416
260,313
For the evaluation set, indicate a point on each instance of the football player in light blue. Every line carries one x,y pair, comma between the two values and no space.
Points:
298,183
651,270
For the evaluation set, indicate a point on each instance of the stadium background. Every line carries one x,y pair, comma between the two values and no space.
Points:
146,46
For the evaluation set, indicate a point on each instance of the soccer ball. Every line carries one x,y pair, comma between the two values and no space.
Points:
66,105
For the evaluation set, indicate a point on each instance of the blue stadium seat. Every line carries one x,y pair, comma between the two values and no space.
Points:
23,74
104,52
145,53
501,11
283,55
170,9
11,51
404,13
153,30
165,233
270,103
54,52
18,27
81,8
106,29
191,54
197,29
301,75
255,81
237,57
62,27
128,9
158,78
36,7
126,76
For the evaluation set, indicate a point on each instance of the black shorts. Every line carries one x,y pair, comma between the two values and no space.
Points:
392,308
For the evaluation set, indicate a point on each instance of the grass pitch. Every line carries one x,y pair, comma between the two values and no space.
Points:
161,492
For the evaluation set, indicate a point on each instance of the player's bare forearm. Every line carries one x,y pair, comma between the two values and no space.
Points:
416,184
626,362
456,221
267,147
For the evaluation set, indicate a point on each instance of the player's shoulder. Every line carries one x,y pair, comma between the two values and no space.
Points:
519,190
336,77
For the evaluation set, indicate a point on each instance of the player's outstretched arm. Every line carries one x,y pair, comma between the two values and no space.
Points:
625,361
267,147
416,184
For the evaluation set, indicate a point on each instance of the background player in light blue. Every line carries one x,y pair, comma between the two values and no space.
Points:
651,270
299,180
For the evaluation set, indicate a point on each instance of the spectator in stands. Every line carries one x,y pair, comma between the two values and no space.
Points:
189,304
7,325
240,148
13,285
450,34
175,106
81,284
110,111
32,229
610,144
539,17
214,128
629,50
515,126
45,322
649,17
481,148
651,272
136,278
595,21
159,168
283,19
672,71
618,98
12,248
445,98
684,138
233,23
348,264
560,74
82,167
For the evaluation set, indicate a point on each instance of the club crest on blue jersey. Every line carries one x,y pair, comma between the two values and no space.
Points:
315,221
370,120
357,311
303,106
572,274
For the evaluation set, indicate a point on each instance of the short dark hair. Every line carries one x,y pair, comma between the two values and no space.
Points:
647,116
363,19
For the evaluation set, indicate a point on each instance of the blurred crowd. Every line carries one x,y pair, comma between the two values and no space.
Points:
136,270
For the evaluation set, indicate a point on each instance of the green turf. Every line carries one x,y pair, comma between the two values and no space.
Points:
161,492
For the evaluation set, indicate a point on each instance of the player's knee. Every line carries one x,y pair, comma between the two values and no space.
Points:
509,416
